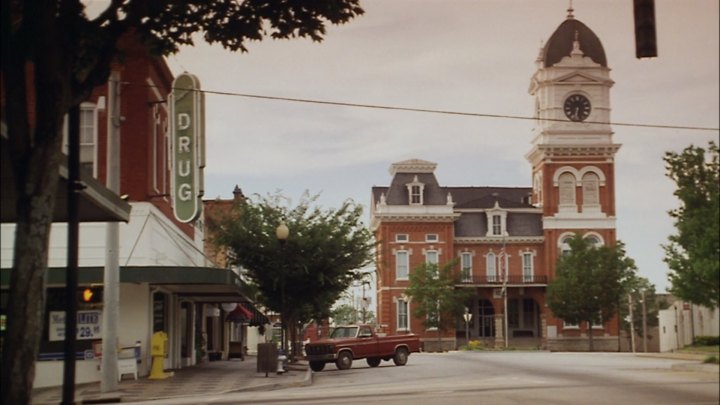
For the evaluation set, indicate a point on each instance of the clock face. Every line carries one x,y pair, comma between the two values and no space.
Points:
577,107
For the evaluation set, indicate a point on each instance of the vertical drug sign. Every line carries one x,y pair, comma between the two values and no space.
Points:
187,129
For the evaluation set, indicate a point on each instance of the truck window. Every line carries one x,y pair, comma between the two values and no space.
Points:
365,332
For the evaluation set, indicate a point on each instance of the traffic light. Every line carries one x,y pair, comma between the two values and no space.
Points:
645,38
91,295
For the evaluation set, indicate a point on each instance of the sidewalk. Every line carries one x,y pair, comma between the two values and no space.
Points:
215,377
696,359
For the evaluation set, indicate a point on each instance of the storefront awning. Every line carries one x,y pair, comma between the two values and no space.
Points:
197,284
246,312
96,202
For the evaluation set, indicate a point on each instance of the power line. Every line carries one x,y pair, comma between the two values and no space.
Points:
443,112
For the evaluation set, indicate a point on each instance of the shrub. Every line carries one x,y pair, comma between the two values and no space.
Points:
475,345
707,341
711,360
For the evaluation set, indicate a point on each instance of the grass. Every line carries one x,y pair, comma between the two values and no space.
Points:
711,351
714,349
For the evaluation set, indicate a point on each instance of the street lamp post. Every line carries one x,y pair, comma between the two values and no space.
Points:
467,316
282,232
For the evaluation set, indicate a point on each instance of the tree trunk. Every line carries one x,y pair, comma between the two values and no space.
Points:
35,150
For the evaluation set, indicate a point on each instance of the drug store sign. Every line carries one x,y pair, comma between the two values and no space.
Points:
187,129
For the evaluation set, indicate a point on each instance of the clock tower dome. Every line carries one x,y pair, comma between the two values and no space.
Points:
572,154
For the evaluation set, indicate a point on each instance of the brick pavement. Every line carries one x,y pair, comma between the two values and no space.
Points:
214,377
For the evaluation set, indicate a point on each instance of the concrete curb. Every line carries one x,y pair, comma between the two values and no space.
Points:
700,367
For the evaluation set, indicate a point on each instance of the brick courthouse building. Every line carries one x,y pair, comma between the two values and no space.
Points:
523,230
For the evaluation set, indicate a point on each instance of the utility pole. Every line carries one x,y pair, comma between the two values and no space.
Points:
71,275
111,277
644,320
632,323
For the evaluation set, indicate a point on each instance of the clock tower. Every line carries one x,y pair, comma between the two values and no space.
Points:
572,154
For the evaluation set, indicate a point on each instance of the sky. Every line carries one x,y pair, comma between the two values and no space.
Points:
472,56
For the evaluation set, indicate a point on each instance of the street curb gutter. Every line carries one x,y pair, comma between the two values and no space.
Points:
306,381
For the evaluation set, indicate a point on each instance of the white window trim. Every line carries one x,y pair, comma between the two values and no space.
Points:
528,277
397,264
431,251
496,210
601,241
421,186
469,268
431,237
397,302
590,207
567,206
562,245
402,237
491,277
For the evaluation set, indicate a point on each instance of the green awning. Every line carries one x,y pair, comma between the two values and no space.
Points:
199,284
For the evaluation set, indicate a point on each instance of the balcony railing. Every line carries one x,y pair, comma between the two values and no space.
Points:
513,279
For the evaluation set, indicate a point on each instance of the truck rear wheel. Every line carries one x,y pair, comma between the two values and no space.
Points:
344,360
373,361
401,356
317,365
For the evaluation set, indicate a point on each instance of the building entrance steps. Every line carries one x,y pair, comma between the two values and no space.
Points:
215,377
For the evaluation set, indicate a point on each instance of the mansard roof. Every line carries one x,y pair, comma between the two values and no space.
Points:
475,224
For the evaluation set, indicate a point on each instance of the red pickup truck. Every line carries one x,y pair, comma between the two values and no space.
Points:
348,343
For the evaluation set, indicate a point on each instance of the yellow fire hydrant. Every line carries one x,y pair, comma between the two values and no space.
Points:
158,350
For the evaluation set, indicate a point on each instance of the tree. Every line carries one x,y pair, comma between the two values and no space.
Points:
693,254
53,56
588,283
321,258
435,298
344,314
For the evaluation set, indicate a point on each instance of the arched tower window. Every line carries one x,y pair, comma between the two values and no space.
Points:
566,183
591,190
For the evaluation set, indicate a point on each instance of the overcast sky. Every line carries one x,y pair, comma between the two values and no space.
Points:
474,56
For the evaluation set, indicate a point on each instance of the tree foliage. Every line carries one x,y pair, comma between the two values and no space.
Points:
589,282
693,254
69,54
344,314
434,296
323,255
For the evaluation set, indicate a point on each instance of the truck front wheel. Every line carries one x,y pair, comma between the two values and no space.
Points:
373,361
344,360
317,365
401,357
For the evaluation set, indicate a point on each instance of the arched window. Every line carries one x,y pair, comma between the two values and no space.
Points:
565,246
566,182
594,240
590,189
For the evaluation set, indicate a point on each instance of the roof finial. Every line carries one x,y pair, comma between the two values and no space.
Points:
576,45
570,11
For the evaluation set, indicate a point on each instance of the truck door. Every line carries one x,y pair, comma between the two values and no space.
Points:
367,345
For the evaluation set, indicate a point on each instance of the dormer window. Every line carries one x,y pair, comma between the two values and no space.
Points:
415,190
496,225
497,221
